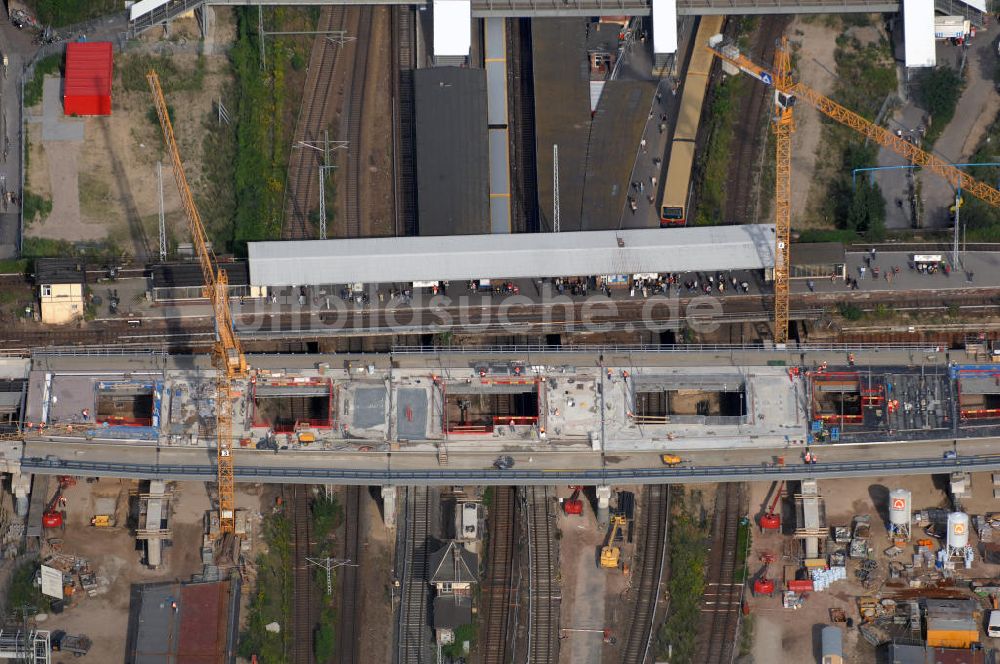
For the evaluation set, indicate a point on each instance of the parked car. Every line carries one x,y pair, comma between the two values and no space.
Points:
505,462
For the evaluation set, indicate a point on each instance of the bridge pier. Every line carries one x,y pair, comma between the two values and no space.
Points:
389,506
20,486
603,492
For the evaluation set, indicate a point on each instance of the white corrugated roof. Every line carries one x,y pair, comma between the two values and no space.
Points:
452,27
664,26
516,256
918,33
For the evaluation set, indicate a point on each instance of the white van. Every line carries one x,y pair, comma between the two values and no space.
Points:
993,626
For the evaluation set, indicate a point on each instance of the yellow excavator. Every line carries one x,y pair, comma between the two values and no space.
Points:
610,552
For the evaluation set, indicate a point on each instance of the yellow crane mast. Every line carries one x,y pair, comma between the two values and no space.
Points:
787,93
228,354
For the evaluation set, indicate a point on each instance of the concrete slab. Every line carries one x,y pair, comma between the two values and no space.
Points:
55,125
411,413
368,410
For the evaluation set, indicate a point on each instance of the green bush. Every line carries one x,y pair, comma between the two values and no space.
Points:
51,64
850,312
462,633
937,92
35,206
23,591
324,642
688,560
58,13
720,121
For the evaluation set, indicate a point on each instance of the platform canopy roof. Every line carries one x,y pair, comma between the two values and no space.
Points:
513,256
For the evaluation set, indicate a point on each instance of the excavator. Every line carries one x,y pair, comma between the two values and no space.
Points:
611,553
573,504
771,520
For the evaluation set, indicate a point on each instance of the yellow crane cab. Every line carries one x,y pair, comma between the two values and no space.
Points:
670,459
611,554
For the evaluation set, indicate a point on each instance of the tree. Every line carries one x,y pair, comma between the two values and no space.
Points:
866,212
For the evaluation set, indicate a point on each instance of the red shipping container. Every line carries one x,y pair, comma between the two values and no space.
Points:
801,586
87,89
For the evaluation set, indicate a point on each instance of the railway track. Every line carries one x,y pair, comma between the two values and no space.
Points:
413,630
751,130
314,116
347,643
304,615
720,611
521,84
543,589
656,508
497,586
355,111
404,38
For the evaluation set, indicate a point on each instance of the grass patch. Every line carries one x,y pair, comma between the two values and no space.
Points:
688,563
95,195
272,598
743,538
35,206
843,235
714,166
261,159
14,265
325,636
51,64
462,633
746,635
173,78
23,591
58,13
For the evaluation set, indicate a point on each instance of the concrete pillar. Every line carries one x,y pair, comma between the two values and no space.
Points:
389,506
603,504
20,486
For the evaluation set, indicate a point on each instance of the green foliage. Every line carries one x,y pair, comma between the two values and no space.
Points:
462,633
325,639
260,153
35,206
58,13
743,538
51,64
866,211
937,92
851,312
326,516
14,265
688,560
714,165
134,67
154,118
23,591
867,74
272,598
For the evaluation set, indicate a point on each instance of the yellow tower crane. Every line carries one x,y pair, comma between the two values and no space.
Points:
228,354
786,93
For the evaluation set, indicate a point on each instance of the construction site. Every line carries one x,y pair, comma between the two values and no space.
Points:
488,334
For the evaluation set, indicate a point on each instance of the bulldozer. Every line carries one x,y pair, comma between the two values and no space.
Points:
610,552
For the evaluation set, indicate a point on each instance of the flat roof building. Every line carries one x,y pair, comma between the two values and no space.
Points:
517,256
452,151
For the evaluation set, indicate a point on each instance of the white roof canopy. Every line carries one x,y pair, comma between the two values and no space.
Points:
513,256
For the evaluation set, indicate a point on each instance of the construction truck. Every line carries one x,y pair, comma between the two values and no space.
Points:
611,553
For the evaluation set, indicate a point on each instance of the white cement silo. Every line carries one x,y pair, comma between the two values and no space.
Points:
900,512
958,531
